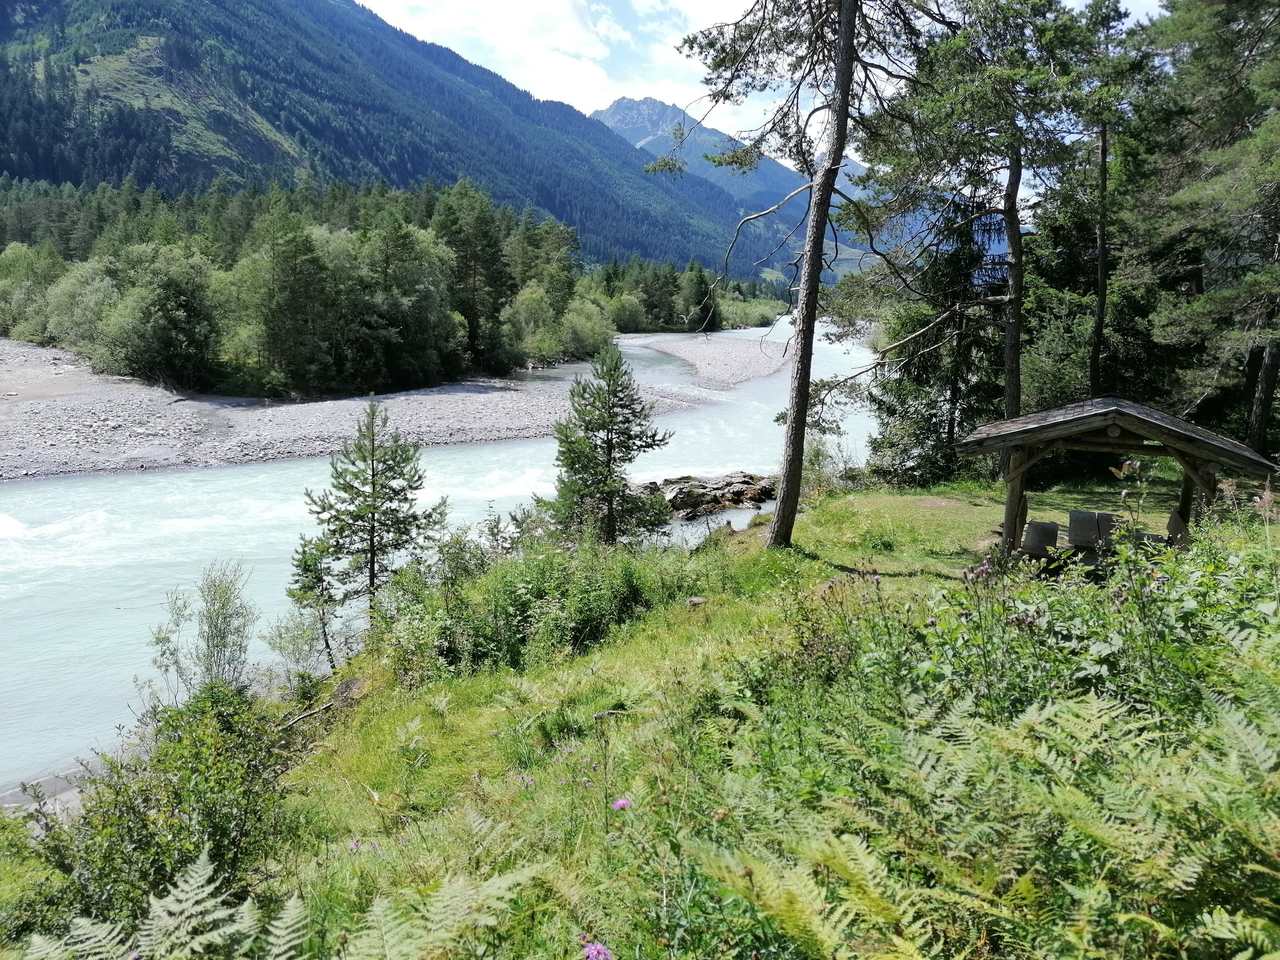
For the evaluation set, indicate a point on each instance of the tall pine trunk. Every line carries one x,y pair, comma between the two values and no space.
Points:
1264,396
373,514
1100,309
824,181
1013,304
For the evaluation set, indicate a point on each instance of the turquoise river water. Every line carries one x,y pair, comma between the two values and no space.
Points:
86,561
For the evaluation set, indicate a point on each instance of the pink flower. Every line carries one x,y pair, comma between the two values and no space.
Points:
596,951
622,803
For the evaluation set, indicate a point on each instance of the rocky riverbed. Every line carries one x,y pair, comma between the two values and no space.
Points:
57,416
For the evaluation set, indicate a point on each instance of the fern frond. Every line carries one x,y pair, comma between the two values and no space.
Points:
867,884
288,932
788,895
462,906
192,919
85,941
387,933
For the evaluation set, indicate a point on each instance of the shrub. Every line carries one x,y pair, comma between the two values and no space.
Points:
205,777
77,303
548,602
163,328
584,330
31,891
625,314
217,650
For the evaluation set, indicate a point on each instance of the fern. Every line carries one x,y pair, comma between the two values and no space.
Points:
288,932
194,919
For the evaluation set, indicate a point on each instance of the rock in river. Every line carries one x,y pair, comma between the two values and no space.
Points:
694,497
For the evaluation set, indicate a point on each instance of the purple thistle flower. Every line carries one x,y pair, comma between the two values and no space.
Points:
596,951
622,803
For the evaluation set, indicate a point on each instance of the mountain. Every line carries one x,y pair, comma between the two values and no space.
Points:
648,124
176,93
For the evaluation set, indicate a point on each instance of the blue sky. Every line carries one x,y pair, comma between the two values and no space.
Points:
588,52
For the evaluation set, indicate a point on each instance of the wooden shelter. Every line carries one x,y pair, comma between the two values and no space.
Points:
1111,425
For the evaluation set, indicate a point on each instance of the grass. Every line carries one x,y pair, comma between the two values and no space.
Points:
415,784
484,773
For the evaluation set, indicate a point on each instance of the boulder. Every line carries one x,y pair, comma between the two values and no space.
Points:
691,498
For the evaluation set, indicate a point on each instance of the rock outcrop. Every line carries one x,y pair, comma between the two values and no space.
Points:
691,498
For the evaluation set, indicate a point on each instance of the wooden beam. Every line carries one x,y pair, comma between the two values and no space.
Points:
1119,449
1187,498
1033,457
1196,471
1041,433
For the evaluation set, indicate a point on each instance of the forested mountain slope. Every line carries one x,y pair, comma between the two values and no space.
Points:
649,124
177,92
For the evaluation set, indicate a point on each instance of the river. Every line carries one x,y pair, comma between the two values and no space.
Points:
86,561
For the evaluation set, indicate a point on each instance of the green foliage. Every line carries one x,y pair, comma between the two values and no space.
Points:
751,312
197,918
206,777
540,606
1017,766
585,330
32,893
369,519
217,650
25,274
699,305
163,328
608,428
625,314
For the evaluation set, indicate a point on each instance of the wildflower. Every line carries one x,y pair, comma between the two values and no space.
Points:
593,949
354,846
1264,503
622,803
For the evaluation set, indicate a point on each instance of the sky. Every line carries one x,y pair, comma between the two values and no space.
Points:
590,52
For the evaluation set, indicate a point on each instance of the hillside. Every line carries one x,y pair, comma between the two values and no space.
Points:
176,93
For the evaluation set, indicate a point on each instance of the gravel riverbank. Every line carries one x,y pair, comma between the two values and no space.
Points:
57,416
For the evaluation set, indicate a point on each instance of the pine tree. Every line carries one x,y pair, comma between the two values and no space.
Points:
370,517
609,426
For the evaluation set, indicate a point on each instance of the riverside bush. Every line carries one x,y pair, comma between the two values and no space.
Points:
206,778
548,602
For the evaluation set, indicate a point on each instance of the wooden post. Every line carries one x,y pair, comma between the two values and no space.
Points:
1187,498
1015,480
1210,474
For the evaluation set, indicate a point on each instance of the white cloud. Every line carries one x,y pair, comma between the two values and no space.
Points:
584,52
590,52
556,49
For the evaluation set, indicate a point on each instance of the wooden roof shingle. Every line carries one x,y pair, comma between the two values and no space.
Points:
1062,423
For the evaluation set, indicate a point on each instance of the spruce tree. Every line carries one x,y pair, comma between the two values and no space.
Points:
609,426
370,519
